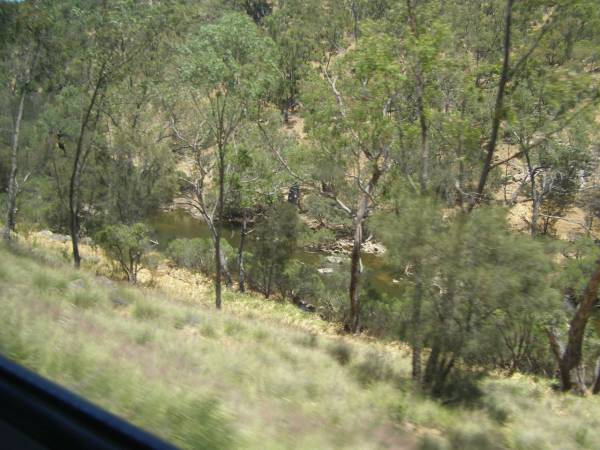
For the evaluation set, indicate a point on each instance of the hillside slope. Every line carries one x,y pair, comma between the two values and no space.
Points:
248,378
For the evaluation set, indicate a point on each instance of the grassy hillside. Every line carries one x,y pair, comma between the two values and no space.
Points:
258,375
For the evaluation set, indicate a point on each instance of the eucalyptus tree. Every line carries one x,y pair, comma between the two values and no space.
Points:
258,180
225,69
25,49
103,43
482,288
352,126
304,31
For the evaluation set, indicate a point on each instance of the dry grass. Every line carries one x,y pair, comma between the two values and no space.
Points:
258,375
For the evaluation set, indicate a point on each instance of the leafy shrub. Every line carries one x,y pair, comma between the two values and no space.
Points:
145,311
85,298
127,245
341,352
198,254
144,336
372,368
275,242
431,442
310,340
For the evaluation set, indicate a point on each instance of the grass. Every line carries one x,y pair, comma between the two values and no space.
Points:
258,375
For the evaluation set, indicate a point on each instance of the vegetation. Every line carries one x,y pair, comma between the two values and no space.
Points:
127,245
158,361
421,171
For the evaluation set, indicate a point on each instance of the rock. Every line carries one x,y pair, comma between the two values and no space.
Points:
87,241
193,319
325,270
60,237
118,301
77,284
306,307
334,259
105,281
395,281
46,234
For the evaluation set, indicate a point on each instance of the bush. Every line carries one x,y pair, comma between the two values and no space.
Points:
309,340
198,254
127,245
145,311
341,352
372,368
275,242
85,299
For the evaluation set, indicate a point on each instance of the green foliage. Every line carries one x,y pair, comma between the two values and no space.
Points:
195,254
481,291
198,254
127,245
275,242
372,368
231,55
145,311
341,352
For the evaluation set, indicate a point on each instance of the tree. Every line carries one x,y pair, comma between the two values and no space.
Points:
353,128
275,241
304,31
226,68
580,280
256,181
101,49
480,290
127,245
25,45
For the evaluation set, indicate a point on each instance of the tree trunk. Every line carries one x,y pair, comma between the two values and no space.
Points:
420,92
355,272
570,358
213,230
563,371
596,388
75,183
572,354
219,225
431,367
355,19
241,272
498,108
416,331
535,198
442,376
12,182
269,281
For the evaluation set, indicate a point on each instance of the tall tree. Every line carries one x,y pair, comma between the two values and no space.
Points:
353,128
103,47
26,43
226,69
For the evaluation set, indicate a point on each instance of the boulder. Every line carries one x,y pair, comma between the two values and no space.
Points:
334,259
105,282
77,284
118,301
45,234
87,241
60,237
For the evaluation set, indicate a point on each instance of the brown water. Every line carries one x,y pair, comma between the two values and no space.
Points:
177,224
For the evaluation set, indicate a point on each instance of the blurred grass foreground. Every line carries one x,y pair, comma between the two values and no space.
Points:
258,375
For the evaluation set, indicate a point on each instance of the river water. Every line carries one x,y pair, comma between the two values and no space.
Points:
177,224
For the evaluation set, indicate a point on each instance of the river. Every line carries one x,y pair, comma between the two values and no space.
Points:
177,224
